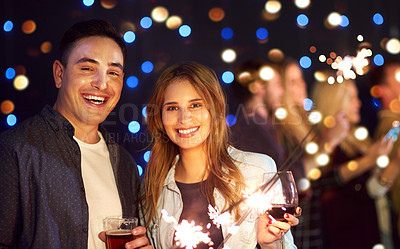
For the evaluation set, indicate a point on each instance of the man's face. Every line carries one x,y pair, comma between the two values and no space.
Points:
91,83
274,92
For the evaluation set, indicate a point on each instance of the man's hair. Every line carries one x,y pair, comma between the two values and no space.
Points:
85,29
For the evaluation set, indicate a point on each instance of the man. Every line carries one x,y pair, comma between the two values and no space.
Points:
61,173
385,81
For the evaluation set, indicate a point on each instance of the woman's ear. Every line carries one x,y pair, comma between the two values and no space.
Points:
58,72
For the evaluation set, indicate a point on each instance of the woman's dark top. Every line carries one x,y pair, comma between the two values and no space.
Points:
195,208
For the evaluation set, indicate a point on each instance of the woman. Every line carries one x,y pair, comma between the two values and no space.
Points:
192,164
343,184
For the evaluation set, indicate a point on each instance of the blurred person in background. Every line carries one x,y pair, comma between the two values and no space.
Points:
385,85
344,196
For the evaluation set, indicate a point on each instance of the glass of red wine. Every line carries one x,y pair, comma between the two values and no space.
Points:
282,194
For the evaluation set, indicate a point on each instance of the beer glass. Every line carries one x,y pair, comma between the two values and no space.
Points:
118,231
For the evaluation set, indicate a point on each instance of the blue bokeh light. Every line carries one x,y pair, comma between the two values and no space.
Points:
88,2
379,60
228,77
307,104
144,111
140,170
8,26
227,33
230,120
147,67
185,30
262,33
305,62
345,21
376,103
302,20
129,36
11,119
146,22
132,81
134,126
378,19
146,156
10,73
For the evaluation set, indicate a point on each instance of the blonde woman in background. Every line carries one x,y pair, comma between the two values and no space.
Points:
344,197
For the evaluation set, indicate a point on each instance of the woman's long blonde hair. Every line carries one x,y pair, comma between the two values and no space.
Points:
329,99
223,174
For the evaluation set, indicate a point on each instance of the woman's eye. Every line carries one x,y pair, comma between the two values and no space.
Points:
172,108
195,105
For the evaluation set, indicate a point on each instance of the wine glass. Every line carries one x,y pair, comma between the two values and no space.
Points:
281,191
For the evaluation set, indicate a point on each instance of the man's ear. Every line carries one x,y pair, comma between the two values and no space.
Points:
58,72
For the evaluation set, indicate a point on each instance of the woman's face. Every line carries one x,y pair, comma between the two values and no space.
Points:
185,117
352,104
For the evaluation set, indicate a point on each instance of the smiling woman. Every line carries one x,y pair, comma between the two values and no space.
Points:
192,166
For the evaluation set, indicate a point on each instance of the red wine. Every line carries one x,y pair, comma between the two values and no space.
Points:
278,211
116,239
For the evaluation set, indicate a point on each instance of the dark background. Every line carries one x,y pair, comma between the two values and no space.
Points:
164,47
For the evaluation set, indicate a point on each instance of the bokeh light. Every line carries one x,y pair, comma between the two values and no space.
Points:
344,22
302,20
266,73
227,33
8,26
132,81
144,111
216,14
108,4
28,27
146,22
134,127
314,117
46,47
129,36
379,60
88,3
185,30
230,120
7,107
147,67
228,55
228,77
304,184
159,14
173,22
305,62
361,133
393,46
262,33
273,6
281,113
333,20
21,82
307,104
378,19
311,148
11,119
382,161
302,4
140,170
10,73
314,174
360,38
322,159
276,55
146,156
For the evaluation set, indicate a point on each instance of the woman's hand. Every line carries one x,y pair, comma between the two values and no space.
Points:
140,240
269,231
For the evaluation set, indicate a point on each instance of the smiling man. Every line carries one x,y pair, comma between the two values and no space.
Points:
60,171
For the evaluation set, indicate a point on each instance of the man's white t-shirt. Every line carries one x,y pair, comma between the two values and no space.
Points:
100,188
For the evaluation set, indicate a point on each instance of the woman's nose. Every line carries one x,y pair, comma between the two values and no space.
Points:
184,115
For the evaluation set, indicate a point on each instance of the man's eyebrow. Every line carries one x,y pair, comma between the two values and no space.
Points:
112,64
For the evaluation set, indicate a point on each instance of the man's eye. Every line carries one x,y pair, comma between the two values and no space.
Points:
114,73
86,68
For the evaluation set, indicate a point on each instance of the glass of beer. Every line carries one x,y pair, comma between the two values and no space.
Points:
118,231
